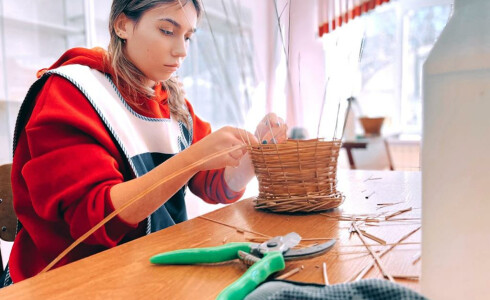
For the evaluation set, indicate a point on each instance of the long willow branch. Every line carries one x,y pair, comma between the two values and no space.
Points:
136,198
373,254
366,269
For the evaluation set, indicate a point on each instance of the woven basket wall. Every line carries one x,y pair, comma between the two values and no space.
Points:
297,176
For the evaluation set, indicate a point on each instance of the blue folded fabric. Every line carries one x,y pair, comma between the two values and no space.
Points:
367,289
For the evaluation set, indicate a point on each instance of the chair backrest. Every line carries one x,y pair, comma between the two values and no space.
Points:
8,220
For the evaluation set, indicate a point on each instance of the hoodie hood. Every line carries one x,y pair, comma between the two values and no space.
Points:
93,58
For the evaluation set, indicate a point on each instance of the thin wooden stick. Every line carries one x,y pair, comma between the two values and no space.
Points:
373,254
370,265
372,193
321,109
263,239
355,275
290,273
388,204
325,275
379,245
234,227
398,213
373,237
136,198
338,253
407,277
404,219
353,218
372,178
416,258
317,239
383,205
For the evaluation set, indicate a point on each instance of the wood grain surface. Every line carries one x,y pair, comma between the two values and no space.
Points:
125,272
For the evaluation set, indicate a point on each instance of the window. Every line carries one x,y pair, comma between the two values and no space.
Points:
422,27
218,73
384,52
33,34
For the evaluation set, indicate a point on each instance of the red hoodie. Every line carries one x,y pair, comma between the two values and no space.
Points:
61,191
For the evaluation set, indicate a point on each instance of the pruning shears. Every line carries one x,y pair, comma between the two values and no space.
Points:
269,258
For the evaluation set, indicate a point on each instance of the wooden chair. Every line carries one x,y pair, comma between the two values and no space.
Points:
8,220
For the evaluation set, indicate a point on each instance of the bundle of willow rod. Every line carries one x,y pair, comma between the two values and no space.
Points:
297,176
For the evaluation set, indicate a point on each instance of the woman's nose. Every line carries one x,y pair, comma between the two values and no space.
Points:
180,49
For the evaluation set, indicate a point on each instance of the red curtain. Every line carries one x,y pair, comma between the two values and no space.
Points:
334,13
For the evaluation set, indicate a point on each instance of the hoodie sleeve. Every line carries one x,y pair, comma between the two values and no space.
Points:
209,185
74,163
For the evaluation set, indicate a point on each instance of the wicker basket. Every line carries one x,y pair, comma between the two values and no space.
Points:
297,176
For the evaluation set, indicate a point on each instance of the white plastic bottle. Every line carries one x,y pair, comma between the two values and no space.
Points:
456,158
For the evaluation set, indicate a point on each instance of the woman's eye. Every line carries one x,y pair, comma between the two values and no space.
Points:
166,32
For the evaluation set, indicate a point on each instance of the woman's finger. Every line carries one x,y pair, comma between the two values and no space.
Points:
271,120
244,136
278,135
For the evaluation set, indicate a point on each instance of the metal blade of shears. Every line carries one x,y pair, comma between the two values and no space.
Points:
307,252
291,239
279,243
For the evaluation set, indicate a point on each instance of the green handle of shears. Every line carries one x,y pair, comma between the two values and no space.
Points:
257,273
201,255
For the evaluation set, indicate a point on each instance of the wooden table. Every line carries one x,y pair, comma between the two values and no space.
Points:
348,146
362,143
124,272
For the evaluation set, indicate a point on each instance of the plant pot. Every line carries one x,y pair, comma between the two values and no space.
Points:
372,126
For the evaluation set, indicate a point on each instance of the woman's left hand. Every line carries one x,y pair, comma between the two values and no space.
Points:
271,130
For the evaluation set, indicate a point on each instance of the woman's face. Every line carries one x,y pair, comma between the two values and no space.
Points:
157,44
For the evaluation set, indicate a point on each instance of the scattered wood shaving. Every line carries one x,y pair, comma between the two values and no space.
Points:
372,178
373,254
234,227
383,205
378,245
373,237
388,204
334,252
407,277
416,257
397,213
290,273
372,193
325,275
366,269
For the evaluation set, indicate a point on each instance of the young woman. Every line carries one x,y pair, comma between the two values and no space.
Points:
100,127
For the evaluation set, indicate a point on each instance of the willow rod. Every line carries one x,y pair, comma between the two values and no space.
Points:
325,274
373,254
234,227
136,198
290,273
369,266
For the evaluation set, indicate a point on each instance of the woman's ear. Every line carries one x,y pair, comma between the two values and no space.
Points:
122,26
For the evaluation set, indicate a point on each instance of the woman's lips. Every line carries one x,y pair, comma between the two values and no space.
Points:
173,67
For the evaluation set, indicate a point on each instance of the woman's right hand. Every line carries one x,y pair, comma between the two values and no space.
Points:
221,140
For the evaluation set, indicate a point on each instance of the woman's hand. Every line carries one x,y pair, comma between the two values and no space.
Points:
219,141
271,129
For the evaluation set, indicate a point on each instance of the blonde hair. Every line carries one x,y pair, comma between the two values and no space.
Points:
128,77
